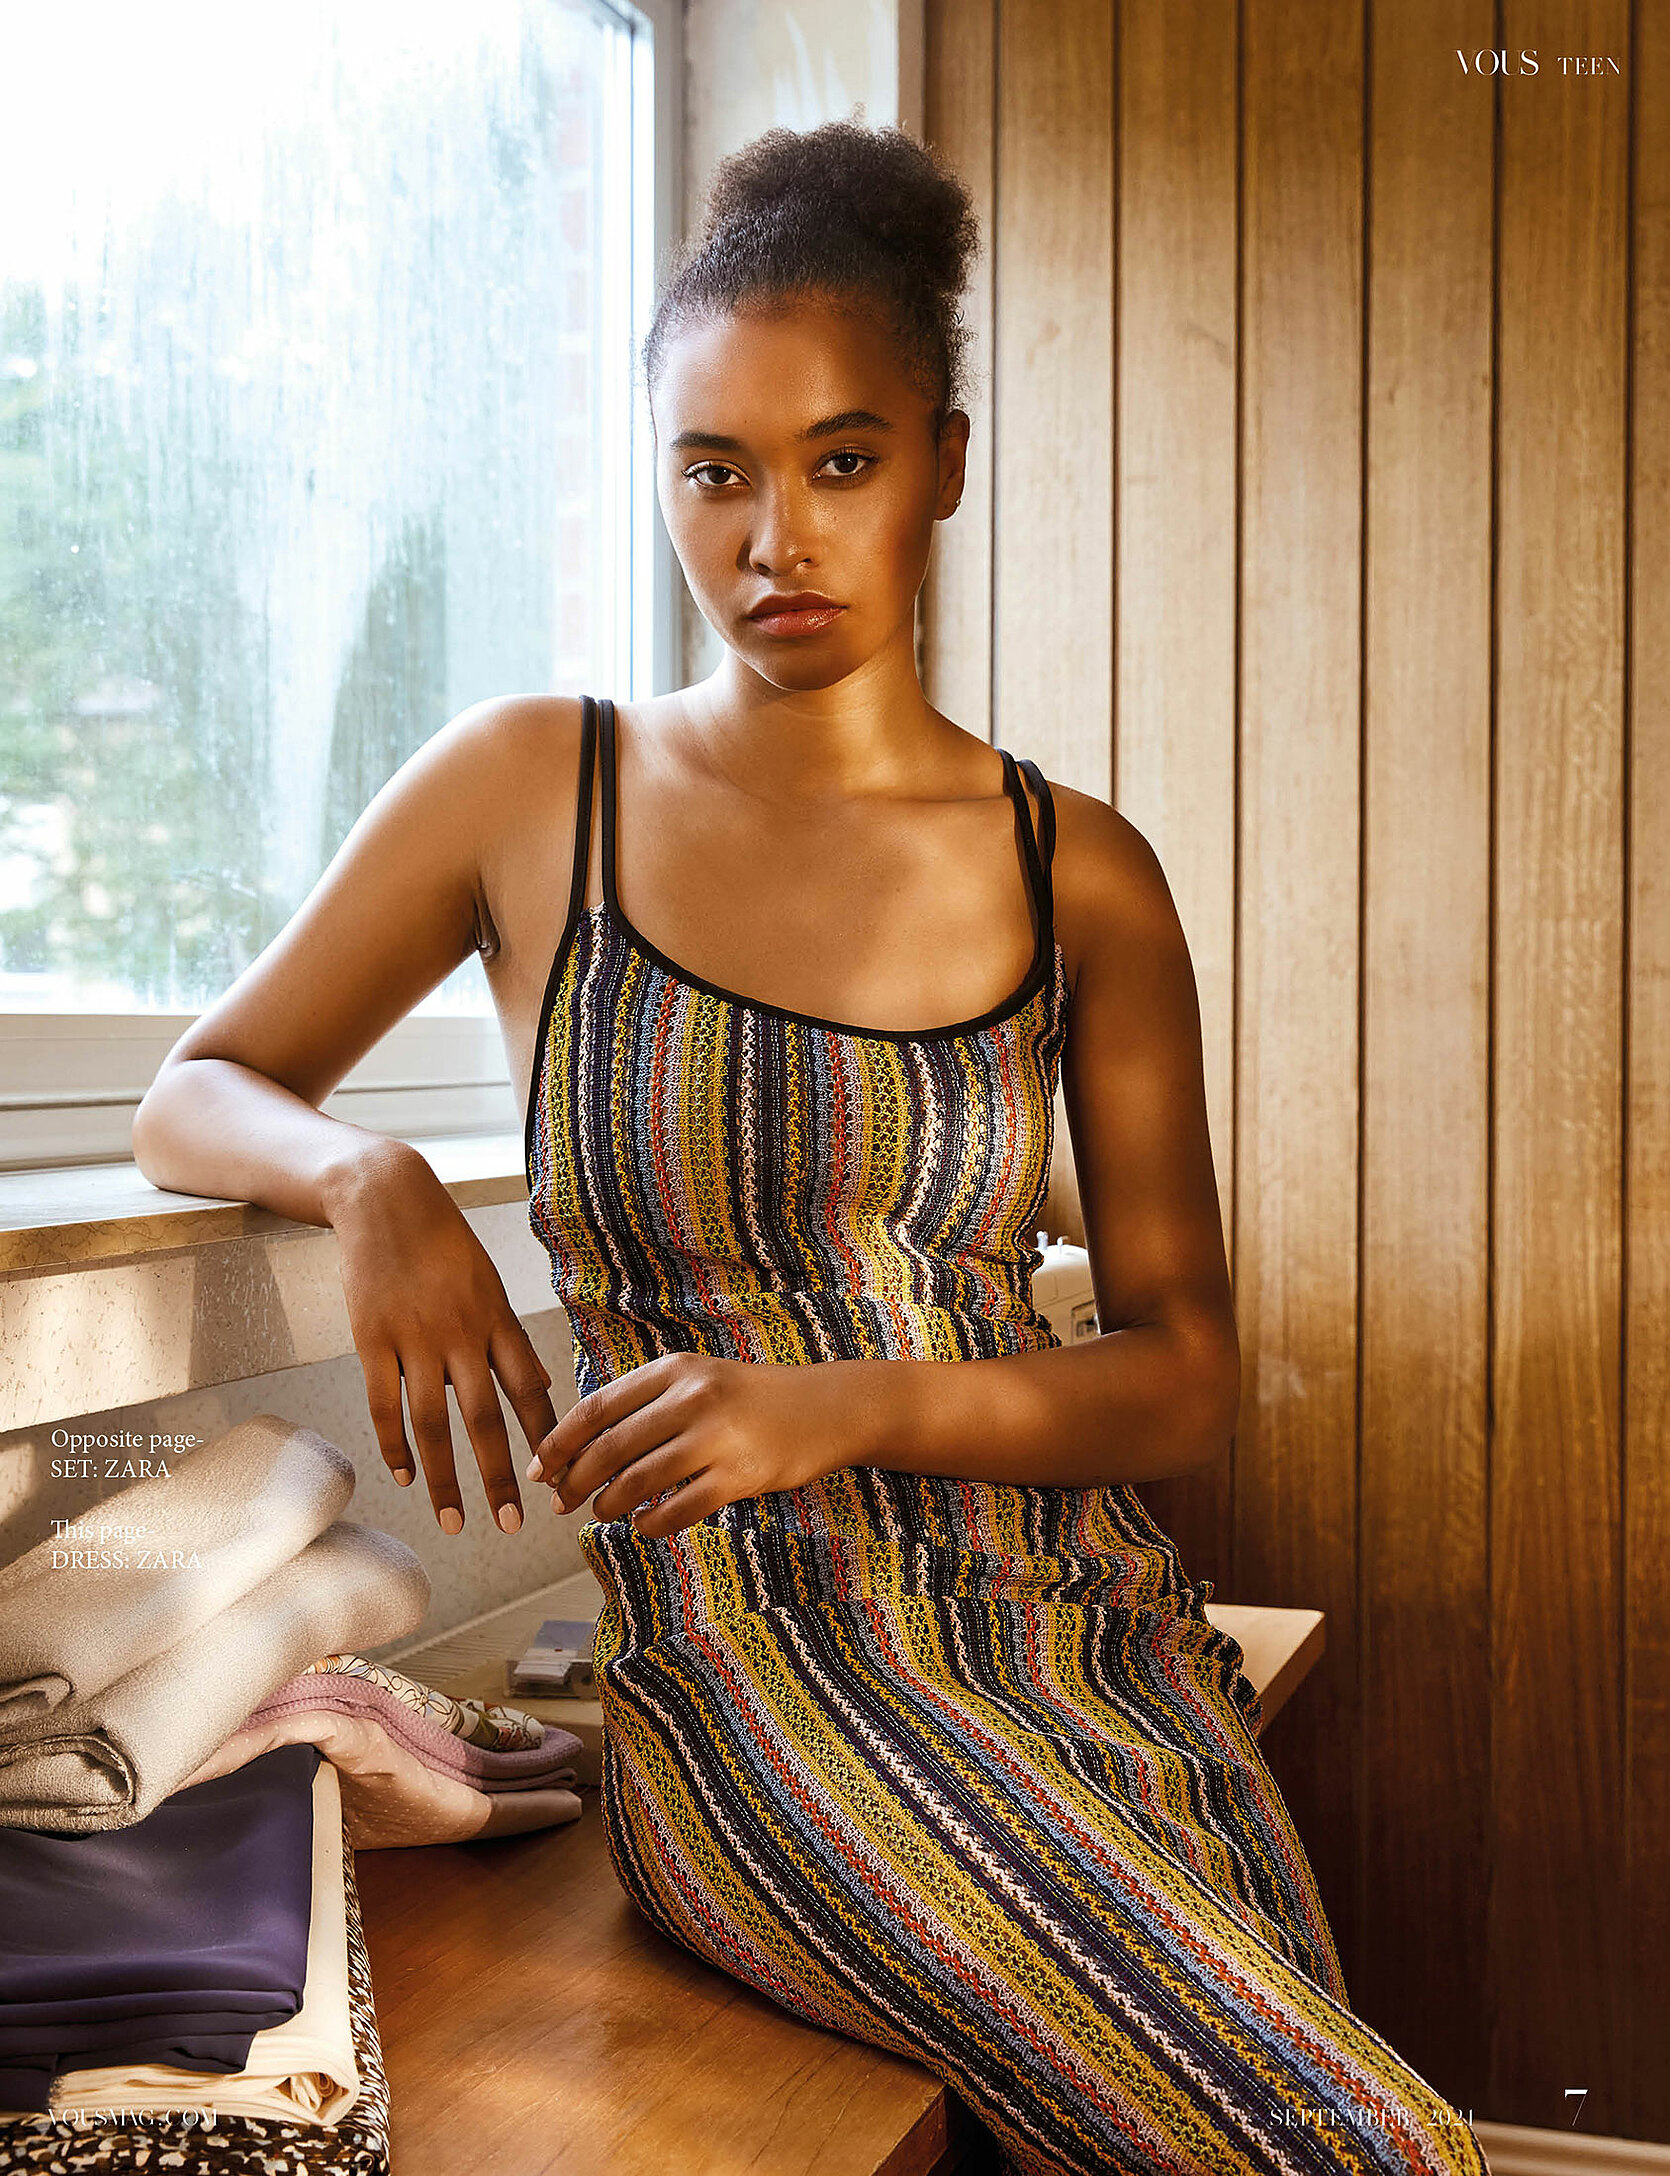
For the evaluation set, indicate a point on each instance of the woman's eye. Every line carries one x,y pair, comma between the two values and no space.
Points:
711,475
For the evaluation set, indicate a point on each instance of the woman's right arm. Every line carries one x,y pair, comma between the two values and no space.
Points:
234,1109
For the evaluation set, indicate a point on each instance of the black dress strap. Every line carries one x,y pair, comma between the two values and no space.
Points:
582,817
608,710
576,899
1039,848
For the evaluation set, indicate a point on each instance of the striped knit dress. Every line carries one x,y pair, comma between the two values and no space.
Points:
960,1769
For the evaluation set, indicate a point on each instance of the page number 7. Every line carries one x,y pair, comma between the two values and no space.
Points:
1582,2092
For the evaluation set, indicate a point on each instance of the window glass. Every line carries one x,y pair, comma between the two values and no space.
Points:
313,337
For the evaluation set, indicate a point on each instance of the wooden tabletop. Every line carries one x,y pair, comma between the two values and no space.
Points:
535,2024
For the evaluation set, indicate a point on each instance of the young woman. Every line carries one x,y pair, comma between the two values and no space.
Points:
914,1720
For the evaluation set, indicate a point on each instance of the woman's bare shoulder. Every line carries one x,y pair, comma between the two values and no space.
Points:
513,761
1111,893
506,746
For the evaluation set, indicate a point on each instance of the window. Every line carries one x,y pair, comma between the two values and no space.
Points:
318,422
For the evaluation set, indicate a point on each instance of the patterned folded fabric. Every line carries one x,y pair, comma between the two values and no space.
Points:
154,1563
490,1747
303,2067
130,1947
390,1798
106,1761
486,1725
197,2143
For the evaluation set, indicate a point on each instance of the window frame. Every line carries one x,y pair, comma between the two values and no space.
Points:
70,1082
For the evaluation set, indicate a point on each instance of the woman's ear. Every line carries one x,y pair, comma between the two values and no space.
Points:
953,457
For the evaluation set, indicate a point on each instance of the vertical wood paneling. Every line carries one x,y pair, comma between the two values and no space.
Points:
1296,1142
1646,2113
1053,503
1174,559
1425,1724
1448,894
961,49
1558,1805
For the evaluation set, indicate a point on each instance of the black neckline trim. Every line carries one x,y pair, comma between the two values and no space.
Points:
1006,1009
1045,950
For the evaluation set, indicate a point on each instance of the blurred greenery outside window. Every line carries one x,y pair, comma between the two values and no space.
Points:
318,423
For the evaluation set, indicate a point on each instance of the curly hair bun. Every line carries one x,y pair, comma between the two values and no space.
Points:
879,181
843,209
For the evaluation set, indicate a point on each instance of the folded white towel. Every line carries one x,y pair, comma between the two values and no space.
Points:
78,1613
103,1762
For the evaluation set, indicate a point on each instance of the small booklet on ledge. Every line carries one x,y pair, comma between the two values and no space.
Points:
557,1664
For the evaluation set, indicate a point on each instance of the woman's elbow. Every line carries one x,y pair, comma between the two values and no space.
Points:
1210,1412
154,1135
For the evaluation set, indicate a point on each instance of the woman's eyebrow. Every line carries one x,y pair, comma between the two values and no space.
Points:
850,419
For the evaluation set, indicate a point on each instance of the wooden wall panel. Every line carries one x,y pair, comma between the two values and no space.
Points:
1175,555
1053,498
1296,1121
1425,1724
956,608
1646,1538
1344,380
1558,1067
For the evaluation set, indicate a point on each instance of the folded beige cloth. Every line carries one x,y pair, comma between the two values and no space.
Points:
303,2068
390,1798
155,1562
104,1762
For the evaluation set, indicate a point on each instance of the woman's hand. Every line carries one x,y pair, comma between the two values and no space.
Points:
426,1306
716,1430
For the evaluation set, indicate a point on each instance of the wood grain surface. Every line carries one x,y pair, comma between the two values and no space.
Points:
1556,1755
1297,1102
1367,631
1645,2105
1426,1042
1175,561
534,2024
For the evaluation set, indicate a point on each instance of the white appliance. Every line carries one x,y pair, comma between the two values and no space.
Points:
1062,1291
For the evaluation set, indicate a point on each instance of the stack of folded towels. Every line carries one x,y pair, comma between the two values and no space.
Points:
191,1991
190,1751
124,1669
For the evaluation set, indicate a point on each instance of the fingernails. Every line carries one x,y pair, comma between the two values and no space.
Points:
452,1520
510,1518
534,1470
404,1476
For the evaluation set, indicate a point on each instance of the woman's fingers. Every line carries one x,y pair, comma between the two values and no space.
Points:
478,1402
381,1368
696,1500
526,1383
426,1402
646,1428
594,1423
647,1477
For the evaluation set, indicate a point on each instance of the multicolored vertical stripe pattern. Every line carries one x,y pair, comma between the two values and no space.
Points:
963,1770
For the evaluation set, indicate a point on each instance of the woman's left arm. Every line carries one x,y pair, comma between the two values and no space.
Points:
1157,1392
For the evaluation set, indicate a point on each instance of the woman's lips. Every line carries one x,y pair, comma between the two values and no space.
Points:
810,621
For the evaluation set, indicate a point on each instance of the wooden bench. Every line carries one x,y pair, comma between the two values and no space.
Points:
534,2024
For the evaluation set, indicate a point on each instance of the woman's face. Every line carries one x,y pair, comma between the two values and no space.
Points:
793,453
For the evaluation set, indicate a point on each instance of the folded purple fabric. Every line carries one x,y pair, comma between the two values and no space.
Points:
173,1940
530,1769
